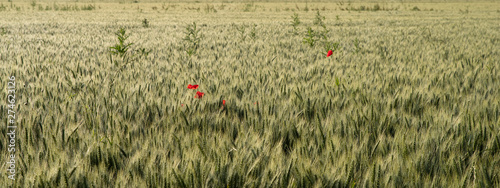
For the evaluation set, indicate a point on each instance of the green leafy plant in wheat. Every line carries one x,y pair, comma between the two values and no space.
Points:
3,31
295,22
241,30
3,7
249,7
318,36
310,38
322,36
253,32
122,47
210,8
319,19
145,23
193,38
328,45
320,22
357,47
33,4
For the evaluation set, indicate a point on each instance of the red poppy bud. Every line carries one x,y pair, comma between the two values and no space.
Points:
192,86
329,53
199,95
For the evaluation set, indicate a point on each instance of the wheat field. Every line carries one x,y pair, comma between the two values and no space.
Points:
410,96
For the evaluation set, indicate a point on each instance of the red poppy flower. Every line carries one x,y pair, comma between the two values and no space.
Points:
224,102
199,95
192,86
182,105
329,53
